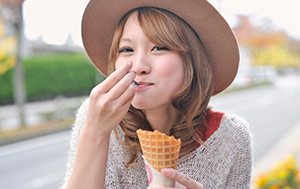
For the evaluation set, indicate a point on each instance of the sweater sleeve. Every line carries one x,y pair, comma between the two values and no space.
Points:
76,130
240,172
111,177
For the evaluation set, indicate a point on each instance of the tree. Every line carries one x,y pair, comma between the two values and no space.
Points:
7,49
274,49
266,45
12,12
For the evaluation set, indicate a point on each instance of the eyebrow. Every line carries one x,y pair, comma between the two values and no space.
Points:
125,40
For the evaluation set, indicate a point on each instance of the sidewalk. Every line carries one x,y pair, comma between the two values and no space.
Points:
38,112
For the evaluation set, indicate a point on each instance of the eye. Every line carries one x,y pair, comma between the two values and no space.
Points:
158,48
125,49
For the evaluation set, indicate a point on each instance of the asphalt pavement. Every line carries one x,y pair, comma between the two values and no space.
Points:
272,111
38,163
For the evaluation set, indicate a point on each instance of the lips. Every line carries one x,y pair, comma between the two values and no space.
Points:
143,85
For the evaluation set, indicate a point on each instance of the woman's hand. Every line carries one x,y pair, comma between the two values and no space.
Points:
110,101
182,181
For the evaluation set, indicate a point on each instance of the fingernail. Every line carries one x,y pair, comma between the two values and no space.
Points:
129,64
166,172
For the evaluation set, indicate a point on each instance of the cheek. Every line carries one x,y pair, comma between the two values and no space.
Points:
117,64
173,69
120,61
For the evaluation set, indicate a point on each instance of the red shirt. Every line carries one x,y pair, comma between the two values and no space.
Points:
213,120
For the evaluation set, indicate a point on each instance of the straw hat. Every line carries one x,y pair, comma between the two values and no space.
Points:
102,16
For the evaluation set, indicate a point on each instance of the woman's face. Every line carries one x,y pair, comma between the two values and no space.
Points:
159,71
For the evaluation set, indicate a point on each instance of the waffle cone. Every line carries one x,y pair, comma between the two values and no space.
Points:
160,150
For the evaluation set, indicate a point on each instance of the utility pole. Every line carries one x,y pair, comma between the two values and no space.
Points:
19,86
15,17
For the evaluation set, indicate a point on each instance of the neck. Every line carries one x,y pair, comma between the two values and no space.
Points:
161,119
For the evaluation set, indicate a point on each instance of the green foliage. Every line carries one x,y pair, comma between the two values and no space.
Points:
6,87
50,75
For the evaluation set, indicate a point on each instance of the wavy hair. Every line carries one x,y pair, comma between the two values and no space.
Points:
164,28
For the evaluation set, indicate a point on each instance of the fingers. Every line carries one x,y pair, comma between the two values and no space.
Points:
122,86
128,95
125,99
182,179
121,77
115,77
110,101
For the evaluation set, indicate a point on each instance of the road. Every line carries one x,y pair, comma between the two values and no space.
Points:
34,164
270,110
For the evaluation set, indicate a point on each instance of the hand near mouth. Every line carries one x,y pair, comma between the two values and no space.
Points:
110,100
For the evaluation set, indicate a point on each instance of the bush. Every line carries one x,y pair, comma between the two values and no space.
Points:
285,175
47,76
6,88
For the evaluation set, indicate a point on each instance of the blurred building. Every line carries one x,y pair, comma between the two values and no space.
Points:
243,30
39,46
250,37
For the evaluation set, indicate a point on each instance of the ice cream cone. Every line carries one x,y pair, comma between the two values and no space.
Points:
160,150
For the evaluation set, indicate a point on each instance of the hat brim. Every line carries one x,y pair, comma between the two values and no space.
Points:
102,16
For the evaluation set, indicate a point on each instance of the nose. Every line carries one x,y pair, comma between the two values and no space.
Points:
141,65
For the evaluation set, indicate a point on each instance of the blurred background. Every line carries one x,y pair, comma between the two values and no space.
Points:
45,75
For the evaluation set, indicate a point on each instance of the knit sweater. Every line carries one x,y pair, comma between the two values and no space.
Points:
223,161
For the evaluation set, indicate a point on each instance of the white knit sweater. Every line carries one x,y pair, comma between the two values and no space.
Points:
223,161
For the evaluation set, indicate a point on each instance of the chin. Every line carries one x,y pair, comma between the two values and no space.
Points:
139,105
150,104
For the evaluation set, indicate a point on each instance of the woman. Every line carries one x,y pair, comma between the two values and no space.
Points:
179,53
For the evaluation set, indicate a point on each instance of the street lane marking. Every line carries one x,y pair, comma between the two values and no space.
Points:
35,143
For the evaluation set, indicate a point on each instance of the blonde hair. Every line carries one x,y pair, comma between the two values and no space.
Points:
163,28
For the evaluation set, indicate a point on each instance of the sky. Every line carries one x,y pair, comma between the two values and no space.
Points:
54,20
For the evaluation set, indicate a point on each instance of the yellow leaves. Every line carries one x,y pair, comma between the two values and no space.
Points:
275,187
262,180
7,54
7,46
8,64
7,50
276,55
284,175
267,39
273,48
